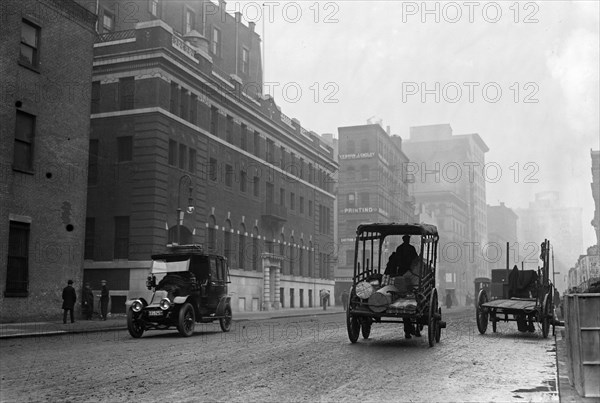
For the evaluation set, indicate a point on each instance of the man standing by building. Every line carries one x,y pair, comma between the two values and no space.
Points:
104,300
88,301
69,297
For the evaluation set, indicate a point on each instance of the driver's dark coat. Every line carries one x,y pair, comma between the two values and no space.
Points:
400,260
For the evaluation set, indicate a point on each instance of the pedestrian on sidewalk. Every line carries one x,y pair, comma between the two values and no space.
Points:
69,297
87,301
104,300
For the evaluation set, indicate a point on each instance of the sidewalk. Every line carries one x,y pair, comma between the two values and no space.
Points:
119,322
567,393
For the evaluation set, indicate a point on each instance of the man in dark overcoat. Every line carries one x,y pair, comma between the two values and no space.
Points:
69,297
88,301
104,295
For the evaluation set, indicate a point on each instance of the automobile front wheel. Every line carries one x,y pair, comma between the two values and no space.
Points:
226,321
134,326
187,320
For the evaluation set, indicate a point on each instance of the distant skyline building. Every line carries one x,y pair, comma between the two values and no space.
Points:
547,218
447,171
502,228
369,188
596,191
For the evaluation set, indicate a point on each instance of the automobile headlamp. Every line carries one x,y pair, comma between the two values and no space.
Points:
165,304
137,305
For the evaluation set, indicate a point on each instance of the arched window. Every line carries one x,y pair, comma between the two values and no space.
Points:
212,234
227,247
242,247
255,250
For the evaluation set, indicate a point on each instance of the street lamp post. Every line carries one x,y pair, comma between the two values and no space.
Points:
190,208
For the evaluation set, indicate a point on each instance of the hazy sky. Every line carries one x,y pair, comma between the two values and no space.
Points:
353,60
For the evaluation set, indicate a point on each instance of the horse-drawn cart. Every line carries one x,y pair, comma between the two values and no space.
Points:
526,299
377,297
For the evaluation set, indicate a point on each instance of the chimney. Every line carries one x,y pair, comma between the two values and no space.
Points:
251,25
387,129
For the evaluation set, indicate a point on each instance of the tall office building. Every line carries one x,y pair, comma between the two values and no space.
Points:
447,171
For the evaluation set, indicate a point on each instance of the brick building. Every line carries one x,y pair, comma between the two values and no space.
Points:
447,170
179,121
370,189
46,69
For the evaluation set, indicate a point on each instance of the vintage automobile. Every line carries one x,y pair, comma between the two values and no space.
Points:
192,288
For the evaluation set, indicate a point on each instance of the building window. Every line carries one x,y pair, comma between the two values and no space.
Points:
172,152
153,7
245,61
190,20
214,120
256,143
30,40
212,170
174,102
292,201
192,161
216,42
96,91
351,202
108,21
126,92
183,104
270,151
256,186
229,129
90,230
125,148
193,109
243,180
228,175
243,138
17,269
182,156
93,162
121,238
24,134
242,248
281,196
282,157
301,205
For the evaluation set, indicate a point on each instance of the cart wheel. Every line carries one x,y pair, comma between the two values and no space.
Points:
353,325
494,320
433,322
481,313
366,327
546,315
438,333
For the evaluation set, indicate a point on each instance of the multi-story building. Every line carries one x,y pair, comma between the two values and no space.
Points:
186,149
502,229
46,69
548,218
596,192
370,189
447,173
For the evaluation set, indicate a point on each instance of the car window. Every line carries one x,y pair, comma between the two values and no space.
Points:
213,269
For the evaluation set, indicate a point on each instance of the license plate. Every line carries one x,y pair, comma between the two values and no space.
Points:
154,313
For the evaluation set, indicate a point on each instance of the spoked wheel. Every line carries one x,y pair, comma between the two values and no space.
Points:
187,320
366,327
438,333
134,326
481,313
352,324
226,321
432,325
546,315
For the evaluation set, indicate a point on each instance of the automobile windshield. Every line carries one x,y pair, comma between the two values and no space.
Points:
161,266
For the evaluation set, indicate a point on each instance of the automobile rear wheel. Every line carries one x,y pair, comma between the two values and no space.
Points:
187,320
134,326
226,321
